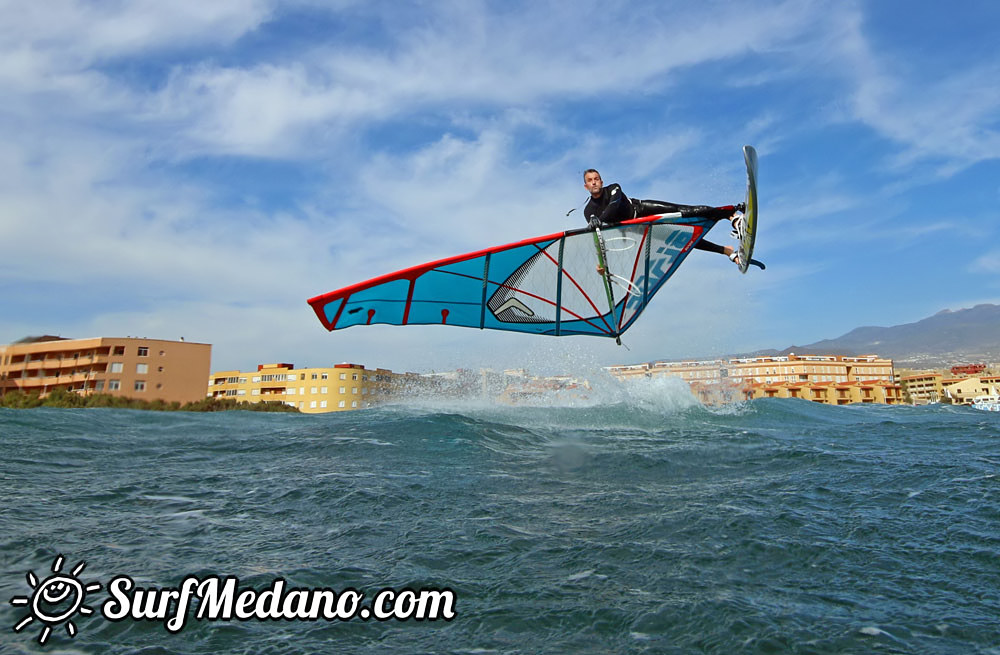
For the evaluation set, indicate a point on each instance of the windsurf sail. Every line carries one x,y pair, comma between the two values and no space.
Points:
544,285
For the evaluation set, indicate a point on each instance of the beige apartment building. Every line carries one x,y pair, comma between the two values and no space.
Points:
832,393
131,367
934,386
768,370
811,368
832,379
310,390
962,391
924,388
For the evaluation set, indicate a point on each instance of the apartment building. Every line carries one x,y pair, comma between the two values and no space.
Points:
832,393
924,388
962,391
811,369
833,379
768,370
311,390
132,367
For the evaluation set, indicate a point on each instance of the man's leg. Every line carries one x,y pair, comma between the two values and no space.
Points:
705,244
655,207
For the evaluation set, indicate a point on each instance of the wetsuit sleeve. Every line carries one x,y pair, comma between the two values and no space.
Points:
592,209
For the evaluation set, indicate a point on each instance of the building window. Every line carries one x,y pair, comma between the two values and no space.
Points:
140,385
342,404
162,353
324,390
323,376
290,391
160,369
255,392
292,377
119,350
143,351
354,390
313,376
312,405
116,367
354,377
343,390
142,369
114,385
241,392
322,404
343,376
354,403
312,390
99,386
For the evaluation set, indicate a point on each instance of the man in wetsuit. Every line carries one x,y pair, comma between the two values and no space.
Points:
608,205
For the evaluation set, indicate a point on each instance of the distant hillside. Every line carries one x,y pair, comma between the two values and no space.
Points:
943,339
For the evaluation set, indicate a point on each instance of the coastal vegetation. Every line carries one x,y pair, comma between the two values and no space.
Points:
68,399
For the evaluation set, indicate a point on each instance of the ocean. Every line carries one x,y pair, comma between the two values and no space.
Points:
644,523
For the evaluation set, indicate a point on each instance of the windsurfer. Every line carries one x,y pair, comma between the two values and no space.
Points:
608,205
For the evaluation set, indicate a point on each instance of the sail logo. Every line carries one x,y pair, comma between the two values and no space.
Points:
660,262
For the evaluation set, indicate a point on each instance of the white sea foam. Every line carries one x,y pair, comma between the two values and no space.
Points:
873,631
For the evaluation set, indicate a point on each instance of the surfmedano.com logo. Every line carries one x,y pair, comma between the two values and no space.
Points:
57,599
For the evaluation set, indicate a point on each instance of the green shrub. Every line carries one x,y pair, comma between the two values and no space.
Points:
65,399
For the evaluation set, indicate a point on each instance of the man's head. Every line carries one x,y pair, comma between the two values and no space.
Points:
592,182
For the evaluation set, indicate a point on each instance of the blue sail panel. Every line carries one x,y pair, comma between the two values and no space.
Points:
547,285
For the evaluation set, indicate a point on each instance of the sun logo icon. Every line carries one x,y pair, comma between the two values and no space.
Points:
55,600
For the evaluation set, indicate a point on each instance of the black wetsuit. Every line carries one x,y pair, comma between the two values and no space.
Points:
613,207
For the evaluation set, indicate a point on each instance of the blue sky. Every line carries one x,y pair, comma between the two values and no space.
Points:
200,169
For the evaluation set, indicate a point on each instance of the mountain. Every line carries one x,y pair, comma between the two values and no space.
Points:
947,338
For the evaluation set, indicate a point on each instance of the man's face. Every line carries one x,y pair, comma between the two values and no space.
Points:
593,183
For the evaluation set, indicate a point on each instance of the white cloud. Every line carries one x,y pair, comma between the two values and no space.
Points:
461,57
989,262
74,34
949,117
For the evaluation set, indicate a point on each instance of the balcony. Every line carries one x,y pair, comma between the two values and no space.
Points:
73,377
32,383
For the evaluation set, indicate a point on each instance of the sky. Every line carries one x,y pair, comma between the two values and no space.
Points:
199,169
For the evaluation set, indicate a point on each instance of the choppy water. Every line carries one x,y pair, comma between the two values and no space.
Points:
644,526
